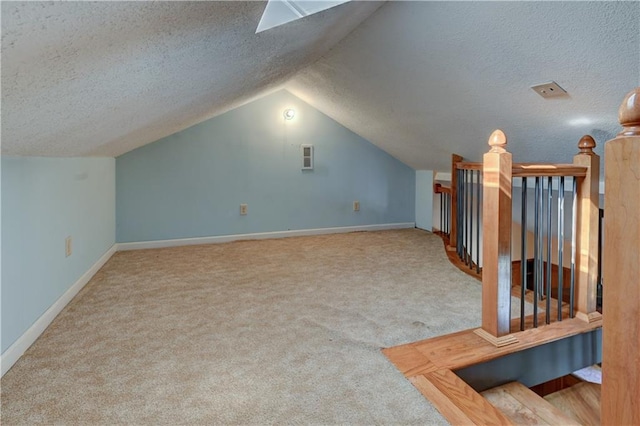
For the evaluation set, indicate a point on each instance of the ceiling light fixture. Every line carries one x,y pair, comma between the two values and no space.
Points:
289,113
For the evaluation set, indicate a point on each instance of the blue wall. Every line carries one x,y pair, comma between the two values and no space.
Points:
192,183
44,200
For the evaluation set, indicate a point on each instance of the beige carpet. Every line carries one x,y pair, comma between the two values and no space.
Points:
283,331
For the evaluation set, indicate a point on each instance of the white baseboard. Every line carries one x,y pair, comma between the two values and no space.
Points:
15,351
259,236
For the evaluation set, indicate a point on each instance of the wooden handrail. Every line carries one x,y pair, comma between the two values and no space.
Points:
543,170
439,188
533,169
468,165
621,269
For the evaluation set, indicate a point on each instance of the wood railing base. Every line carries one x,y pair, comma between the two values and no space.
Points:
498,342
454,398
590,317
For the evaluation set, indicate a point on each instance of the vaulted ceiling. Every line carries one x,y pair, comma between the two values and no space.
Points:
103,78
425,79
419,79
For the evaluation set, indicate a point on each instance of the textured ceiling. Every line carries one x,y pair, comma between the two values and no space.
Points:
419,79
103,78
424,79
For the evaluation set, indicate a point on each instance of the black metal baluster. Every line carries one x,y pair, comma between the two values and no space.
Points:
461,210
541,243
466,218
444,217
560,244
458,209
549,238
523,252
472,173
462,215
478,206
447,217
441,213
574,231
600,242
536,248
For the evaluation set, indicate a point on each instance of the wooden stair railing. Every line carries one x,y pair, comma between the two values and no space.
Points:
453,234
498,172
445,205
621,264
588,233
431,364
461,227
496,242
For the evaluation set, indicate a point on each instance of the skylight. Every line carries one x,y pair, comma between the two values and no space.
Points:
280,12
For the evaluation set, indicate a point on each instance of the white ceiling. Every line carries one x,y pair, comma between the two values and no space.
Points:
424,79
103,78
419,79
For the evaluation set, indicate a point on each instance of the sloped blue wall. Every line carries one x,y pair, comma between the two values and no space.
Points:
44,200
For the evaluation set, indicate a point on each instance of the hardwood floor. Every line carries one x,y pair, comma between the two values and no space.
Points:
524,407
580,401
456,400
429,365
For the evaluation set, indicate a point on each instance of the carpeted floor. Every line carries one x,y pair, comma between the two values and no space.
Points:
255,332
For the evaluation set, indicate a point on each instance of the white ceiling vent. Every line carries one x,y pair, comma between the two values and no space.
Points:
549,90
307,156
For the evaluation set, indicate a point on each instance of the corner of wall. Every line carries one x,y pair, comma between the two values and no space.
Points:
424,199
44,202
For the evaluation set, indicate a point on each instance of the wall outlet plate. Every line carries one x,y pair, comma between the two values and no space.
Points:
356,206
549,90
243,209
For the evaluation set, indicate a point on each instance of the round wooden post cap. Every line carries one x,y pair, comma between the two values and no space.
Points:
498,141
629,114
586,144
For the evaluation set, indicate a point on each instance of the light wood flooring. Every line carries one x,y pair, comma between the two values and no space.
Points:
429,365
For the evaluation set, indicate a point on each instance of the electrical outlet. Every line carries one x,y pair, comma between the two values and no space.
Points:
243,209
356,206
68,249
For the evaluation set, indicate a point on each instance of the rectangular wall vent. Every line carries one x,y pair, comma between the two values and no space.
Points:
307,156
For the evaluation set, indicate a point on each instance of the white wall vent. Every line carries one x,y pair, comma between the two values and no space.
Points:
307,156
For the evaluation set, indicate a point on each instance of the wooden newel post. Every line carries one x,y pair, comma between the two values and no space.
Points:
496,243
621,262
453,231
587,231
